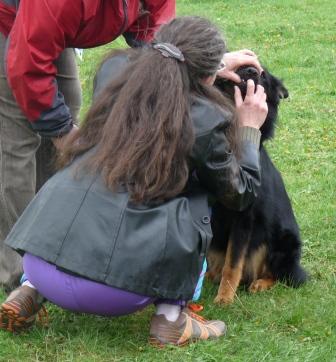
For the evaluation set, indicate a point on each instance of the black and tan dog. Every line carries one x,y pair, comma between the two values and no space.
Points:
262,244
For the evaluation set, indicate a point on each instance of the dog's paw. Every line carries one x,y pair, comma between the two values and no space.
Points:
224,299
261,284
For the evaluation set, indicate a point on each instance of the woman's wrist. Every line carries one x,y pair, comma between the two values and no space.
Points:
247,133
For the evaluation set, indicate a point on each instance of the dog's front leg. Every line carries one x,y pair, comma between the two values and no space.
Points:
231,274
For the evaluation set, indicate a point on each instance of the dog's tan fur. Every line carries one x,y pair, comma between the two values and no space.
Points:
252,268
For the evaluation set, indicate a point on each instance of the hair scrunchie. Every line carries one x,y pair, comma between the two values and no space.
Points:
169,51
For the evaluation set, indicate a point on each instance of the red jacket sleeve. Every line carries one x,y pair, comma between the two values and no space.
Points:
159,13
35,41
7,17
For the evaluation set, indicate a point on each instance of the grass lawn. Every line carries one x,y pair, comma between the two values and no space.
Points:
296,41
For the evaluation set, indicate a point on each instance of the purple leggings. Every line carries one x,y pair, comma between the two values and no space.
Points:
79,294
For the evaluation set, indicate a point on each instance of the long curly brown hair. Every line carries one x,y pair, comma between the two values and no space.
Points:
140,124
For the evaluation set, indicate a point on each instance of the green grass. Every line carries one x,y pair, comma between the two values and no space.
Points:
296,41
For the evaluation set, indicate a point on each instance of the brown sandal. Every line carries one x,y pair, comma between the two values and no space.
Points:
189,327
20,309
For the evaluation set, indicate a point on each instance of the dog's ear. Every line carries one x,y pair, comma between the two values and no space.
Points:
282,91
278,85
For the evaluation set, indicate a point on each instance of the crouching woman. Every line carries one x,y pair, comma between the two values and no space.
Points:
125,221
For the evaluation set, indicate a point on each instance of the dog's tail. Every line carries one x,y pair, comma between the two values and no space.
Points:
285,261
295,277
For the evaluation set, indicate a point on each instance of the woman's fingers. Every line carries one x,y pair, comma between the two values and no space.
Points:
238,97
260,91
229,74
256,92
250,88
248,52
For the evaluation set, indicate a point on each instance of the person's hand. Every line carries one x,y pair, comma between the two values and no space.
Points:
252,111
60,141
234,60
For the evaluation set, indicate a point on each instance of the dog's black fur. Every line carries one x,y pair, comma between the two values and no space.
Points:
261,244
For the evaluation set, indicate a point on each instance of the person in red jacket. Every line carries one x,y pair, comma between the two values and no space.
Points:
39,86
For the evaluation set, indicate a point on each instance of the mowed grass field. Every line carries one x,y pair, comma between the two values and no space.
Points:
296,41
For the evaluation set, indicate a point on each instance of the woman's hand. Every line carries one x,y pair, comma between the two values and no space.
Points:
60,141
234,60
252,111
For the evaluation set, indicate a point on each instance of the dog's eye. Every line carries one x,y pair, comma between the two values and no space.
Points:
262,75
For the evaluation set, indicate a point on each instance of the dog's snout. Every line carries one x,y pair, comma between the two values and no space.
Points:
252,72
248,72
